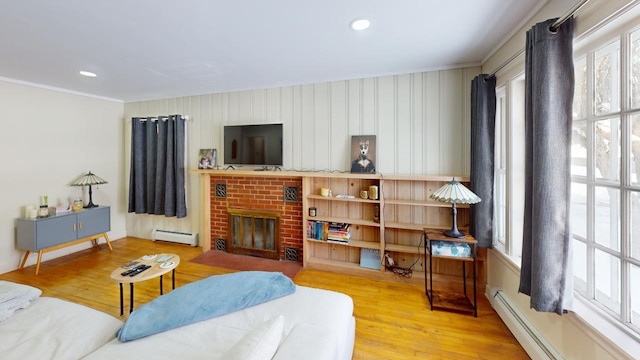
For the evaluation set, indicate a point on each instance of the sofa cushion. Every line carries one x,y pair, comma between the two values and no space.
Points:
307,341
259,344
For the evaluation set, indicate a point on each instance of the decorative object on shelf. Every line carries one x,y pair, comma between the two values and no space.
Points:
324,191
89,179
364,194
30,212
312,211
207,159
455,193
77,205
376,213
363,151
373,192
370,258
43,212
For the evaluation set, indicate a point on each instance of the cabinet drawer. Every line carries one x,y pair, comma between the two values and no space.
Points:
93,221
55,231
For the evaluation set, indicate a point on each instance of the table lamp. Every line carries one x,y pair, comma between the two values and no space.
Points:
455,193
89,179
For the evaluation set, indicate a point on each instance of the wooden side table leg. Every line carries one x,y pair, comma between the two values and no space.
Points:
106,238
24,259
39,260
161,284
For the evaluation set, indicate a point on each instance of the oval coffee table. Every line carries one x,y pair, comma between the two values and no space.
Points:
160,265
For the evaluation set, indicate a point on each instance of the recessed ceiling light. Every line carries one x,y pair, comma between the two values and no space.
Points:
360,24
87,73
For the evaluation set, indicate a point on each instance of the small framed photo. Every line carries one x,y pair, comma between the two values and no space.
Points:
207,159
363,154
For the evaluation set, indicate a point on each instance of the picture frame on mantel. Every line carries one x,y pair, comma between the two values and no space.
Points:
207,159
363,154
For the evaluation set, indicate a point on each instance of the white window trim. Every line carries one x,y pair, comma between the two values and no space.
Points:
609,333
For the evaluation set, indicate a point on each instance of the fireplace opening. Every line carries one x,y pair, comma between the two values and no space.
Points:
254,232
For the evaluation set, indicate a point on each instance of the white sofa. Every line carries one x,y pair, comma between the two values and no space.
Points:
309,324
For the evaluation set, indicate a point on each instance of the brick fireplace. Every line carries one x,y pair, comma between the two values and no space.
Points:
279,195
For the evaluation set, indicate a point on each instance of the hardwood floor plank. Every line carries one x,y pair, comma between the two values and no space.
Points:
393,319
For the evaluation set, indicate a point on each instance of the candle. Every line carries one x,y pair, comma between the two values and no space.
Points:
28,209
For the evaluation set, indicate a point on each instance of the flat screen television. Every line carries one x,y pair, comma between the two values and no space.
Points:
253,144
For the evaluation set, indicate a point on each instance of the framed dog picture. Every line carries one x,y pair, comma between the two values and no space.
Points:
363,154
207,158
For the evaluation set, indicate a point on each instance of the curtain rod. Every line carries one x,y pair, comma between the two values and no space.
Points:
568,14
155,118
556,24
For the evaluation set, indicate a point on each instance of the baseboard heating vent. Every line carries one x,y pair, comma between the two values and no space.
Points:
531,340
188,238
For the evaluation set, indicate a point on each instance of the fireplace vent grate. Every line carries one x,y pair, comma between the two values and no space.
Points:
290,193
221,190
291,254
221,244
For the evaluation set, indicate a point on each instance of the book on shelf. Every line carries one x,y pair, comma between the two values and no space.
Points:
327,230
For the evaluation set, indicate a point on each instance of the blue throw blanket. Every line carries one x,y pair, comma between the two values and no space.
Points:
205,299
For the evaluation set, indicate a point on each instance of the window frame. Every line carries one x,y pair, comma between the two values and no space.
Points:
618,43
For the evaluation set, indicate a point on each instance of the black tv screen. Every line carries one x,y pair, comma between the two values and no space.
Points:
253,144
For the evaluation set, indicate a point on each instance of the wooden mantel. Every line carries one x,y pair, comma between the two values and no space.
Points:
205,231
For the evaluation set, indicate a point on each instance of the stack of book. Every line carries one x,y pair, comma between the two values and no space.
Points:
329,231
339,233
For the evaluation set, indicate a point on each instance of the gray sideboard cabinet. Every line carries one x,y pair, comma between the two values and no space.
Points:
56,232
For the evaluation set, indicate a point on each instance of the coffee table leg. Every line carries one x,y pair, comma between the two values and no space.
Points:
161,284
173,279
131,300
121,301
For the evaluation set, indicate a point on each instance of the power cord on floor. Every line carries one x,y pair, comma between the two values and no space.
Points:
399,270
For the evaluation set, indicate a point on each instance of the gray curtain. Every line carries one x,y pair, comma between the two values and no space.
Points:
546,274
483,125
157,179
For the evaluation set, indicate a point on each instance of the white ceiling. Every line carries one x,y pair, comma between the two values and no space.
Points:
152,49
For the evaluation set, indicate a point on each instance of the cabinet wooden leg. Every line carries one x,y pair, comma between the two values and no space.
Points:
39,260
24,259
106,238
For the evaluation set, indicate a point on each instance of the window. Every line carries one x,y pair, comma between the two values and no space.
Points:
500,175
605,189
509,168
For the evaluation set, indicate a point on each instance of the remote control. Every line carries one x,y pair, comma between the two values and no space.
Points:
130,264
139,270
131,271
163,258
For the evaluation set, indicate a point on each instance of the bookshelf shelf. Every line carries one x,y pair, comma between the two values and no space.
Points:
401,213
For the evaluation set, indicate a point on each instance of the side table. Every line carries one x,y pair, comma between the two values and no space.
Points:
157,270
450,301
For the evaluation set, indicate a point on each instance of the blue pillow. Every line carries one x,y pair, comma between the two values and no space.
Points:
205,299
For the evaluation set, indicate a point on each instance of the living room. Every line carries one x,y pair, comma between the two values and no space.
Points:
421,120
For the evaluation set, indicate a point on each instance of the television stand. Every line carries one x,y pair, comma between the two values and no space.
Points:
230,167
264,168
277,168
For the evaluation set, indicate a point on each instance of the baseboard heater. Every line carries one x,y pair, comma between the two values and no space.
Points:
531,340
188,238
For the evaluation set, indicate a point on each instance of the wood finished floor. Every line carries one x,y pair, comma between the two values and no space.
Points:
393,320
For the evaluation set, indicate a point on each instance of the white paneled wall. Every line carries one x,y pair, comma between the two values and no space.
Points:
421,120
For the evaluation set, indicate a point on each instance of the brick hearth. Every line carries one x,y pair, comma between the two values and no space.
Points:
258,193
